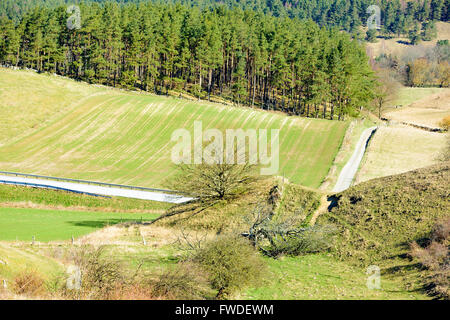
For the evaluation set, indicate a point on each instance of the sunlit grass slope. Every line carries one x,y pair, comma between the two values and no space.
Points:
28,100
319,276
17,260
396,149
27,197
124,137
47,225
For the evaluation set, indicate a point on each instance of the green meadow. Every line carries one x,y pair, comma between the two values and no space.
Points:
50,225
74,130
320,276
125,137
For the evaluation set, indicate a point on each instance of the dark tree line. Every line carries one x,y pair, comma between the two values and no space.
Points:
251,58
397,15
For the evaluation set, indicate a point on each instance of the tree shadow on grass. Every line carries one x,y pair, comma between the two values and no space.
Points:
106,222
404,42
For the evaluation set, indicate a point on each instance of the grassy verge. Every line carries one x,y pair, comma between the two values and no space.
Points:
348,145
27,197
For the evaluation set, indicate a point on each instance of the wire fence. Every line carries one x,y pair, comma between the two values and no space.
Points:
45,186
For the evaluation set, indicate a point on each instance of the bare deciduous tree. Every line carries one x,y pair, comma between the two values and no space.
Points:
209,184
274,236
386,92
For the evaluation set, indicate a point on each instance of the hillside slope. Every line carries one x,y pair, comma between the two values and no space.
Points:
27,100
400,46
378,219
124,137
396,149
18,259
427,111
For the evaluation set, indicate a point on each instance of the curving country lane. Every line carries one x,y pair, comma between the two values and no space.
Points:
351,167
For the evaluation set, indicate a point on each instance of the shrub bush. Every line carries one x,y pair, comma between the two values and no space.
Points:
29,283
100,276
185,282
445,123
436,257
231,264
134,291
312,240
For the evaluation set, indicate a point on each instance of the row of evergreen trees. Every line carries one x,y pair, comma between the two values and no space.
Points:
398,16
251,58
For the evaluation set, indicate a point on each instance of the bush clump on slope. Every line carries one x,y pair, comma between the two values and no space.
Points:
378,219
435,256
231,263
232,215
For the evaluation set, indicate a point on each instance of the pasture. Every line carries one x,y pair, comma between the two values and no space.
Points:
320,276
124,137
421,106
400,47
396,149
51,225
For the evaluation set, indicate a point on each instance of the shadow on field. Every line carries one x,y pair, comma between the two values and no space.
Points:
104,223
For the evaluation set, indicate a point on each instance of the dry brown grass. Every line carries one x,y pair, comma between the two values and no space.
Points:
397,148
435,257
137,292
428,111
397,46
445,123
114,235
29,283
156,236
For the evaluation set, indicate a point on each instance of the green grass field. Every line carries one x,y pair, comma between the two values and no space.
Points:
37,99
20,259
49,225
320,276
123,137
74,130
